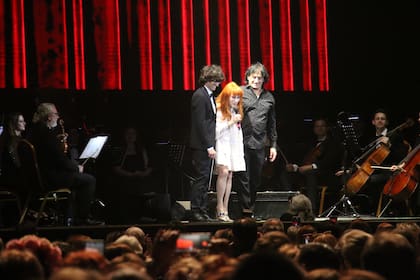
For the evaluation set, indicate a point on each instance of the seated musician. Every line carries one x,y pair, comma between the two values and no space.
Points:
134,178
397,151
9,161
57,170
322,161
413,168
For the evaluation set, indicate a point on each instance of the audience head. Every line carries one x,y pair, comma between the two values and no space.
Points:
391,255
323,274
245,233
325,237
138,233
350,245
20,265
306,233
128,273
410,231
114,250
218,266
318,255
360,224
267,266
301,206
86,259
272,224
271,241
132,242
185,268
128,260
49,255
75,273
360,274
293,233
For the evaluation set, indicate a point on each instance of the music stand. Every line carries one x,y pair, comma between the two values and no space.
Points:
93,148
352,148
175,153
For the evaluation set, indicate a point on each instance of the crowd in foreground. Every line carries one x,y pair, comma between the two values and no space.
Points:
244,250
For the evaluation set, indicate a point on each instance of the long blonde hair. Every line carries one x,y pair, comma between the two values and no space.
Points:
223,100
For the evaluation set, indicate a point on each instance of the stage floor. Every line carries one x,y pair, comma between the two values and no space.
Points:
99,232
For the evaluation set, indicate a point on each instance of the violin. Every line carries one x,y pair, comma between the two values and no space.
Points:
63,137
313,155
401,185
375,155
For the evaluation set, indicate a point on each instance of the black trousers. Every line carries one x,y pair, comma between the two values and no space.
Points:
202,167
83,189
247,183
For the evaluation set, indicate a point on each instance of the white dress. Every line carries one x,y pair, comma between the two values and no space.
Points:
229,145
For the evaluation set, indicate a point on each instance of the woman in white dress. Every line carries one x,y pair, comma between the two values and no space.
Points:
229,144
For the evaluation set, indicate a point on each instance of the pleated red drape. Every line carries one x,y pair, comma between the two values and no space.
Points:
157,45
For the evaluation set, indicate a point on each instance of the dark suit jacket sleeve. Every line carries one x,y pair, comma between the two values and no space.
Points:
203,120
48,150
331,156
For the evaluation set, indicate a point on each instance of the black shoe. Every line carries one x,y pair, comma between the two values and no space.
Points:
247,213
208,218
197,217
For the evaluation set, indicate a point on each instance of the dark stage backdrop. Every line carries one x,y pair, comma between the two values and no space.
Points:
109,62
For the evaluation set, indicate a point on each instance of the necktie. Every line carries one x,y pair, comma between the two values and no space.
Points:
213,104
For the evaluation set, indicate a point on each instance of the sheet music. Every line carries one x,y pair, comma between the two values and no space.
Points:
94,147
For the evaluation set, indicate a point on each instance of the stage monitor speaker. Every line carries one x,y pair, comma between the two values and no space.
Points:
269,204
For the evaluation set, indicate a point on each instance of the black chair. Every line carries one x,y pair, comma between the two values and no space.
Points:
8,196
34,185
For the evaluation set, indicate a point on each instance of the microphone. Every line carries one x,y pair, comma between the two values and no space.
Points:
238,124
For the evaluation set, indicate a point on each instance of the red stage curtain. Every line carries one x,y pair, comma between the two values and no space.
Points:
157,45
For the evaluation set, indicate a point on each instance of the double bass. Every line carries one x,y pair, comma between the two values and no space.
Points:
375,155
402,184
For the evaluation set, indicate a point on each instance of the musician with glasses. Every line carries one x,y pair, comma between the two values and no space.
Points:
57,170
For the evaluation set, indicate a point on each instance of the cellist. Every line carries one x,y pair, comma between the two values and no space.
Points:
401,167
397,151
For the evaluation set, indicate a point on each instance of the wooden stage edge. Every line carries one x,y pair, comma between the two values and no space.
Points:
54,233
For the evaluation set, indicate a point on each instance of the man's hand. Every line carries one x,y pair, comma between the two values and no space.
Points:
273,154
211,153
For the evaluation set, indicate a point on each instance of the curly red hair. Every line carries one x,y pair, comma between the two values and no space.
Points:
223,100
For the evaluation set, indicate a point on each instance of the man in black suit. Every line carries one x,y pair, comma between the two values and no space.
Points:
57,170
202,138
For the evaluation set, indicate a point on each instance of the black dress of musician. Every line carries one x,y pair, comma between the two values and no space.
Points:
134,179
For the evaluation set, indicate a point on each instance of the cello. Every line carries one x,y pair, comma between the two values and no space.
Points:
401,185
375,155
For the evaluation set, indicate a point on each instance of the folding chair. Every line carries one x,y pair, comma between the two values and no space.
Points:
35,186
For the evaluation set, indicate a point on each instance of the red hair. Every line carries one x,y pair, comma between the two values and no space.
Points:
223,100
